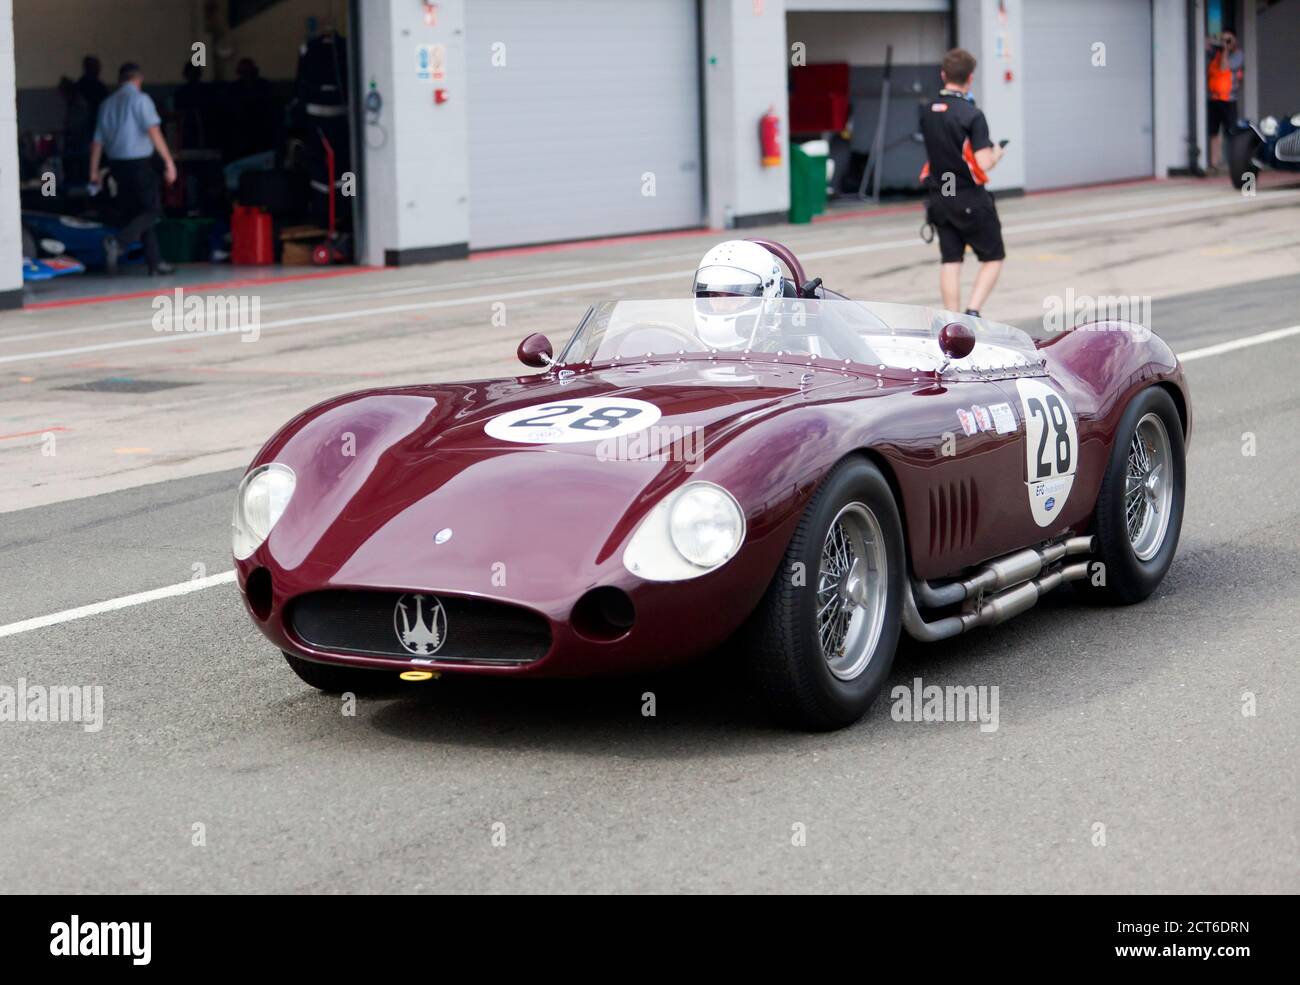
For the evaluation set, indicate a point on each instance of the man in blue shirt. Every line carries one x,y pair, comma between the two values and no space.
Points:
128,131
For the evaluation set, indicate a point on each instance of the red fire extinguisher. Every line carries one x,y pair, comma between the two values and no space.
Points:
769,138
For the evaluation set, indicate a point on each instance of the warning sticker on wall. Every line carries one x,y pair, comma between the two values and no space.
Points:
431,62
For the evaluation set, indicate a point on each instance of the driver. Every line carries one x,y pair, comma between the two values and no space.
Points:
734,282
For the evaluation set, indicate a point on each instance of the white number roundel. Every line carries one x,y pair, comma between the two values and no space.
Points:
1051,449
568,421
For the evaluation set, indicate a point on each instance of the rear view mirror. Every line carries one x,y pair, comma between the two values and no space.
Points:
956,340
535,351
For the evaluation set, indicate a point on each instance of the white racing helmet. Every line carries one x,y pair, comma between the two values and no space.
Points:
732,283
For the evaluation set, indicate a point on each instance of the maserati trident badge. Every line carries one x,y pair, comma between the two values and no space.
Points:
421,624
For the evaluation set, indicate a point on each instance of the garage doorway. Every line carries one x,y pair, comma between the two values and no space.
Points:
256,108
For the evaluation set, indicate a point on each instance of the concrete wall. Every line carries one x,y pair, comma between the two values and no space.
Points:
11,249
1200,154
416,172
1003,103
1170,92
745,62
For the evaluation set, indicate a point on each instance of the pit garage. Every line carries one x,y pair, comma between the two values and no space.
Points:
255,109
851,47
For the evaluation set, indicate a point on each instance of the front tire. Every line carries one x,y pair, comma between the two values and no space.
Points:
1241,151
1139,512
825,633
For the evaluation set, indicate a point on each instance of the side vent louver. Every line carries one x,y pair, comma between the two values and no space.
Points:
954,513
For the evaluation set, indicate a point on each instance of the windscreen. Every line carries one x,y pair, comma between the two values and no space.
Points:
894,336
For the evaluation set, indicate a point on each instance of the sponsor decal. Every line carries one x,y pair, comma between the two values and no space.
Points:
982,419
1049,504
967,421
569,421
1004,419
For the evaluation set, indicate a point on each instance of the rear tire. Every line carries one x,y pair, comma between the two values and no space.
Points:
1137,519
336,680
1241,149
848,604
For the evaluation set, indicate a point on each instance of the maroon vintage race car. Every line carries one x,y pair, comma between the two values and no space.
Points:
810,472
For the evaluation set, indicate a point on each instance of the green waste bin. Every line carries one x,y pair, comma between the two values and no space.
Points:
807,180
184,240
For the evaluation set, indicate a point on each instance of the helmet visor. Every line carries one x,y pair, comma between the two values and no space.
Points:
727,282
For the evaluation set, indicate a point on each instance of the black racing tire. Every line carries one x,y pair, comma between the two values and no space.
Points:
795,679
1125,578
336,680
1241,150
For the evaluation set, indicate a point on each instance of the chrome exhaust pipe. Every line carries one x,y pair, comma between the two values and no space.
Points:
1014,601
1000,573
927,632
1000,607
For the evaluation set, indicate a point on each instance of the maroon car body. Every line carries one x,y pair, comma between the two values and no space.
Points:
526,537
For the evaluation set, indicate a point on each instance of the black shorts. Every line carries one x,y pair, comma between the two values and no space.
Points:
1221,115
967,219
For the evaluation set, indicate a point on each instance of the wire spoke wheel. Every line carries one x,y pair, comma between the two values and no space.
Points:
851,591
1148,487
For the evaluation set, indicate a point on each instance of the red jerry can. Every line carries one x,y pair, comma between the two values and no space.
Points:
251,242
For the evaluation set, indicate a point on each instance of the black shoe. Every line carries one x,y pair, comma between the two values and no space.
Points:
112,252
972,312
163,269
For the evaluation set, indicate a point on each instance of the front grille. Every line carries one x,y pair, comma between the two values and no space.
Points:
1288,148
474,631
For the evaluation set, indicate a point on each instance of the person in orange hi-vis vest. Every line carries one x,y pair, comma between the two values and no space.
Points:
1223,86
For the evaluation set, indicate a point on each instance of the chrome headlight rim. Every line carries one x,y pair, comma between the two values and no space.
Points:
246,537
680,497
652,552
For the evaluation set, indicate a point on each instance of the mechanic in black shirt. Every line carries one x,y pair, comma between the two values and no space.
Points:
959,155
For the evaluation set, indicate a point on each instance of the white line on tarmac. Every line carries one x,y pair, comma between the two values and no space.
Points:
95,608
911,242
1243,343
185,587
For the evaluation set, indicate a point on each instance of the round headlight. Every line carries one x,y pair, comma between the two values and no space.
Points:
262,498
706,524
1268,126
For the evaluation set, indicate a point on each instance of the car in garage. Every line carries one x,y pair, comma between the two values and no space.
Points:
809,475
1270,143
